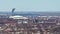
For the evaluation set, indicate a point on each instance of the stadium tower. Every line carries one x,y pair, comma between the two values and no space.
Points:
13,11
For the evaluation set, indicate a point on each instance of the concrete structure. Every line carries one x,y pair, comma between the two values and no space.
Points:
18,17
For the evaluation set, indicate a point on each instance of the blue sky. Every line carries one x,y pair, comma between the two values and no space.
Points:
30,5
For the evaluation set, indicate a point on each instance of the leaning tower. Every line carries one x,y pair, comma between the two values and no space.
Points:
13,11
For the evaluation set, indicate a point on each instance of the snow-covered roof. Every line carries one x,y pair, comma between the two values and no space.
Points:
18,17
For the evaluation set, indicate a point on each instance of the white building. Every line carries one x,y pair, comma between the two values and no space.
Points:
21,19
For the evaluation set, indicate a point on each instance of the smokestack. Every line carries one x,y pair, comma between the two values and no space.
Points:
13,11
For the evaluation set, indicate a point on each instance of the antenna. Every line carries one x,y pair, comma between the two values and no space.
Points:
13,11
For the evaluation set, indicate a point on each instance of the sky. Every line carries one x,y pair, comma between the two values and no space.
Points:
30,5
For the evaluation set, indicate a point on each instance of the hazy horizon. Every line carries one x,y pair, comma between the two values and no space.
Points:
31,11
